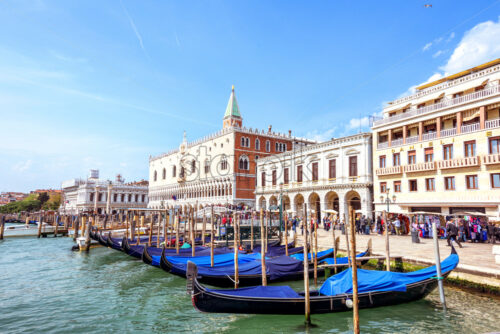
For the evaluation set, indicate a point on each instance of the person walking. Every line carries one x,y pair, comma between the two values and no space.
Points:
491,233
452,233
397,226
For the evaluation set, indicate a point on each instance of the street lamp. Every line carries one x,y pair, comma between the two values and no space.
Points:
281,206
387,200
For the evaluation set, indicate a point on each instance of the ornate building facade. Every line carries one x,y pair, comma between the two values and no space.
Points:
333,175
438,150
102,196
218,169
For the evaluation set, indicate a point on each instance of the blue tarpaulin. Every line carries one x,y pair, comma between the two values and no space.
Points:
340,260
262,291
300,256
374,280
219,260
200,252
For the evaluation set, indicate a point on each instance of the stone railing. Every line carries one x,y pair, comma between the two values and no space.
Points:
491,159
494,123
470,128
448,132
420,167
441,105
429,135
389,170
412,139
459,163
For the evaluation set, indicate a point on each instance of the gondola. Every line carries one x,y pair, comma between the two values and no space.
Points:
283,268
375,288
137,250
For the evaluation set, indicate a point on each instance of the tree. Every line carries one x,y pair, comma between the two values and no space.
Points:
43,197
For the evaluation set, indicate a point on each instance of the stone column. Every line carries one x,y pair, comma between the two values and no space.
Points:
108,200
96,194
420,130
405,129
389,137
459,122
438,127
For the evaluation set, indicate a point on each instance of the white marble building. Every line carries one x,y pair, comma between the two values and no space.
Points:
330,175
102,196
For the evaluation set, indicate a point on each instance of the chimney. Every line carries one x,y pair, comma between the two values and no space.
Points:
270,128
289,133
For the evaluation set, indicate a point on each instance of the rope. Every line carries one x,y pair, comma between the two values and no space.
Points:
232,280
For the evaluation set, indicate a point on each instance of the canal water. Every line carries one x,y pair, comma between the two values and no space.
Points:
47,288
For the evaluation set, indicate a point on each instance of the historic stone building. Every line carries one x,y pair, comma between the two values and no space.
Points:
333,175
218,169
439,149
102,196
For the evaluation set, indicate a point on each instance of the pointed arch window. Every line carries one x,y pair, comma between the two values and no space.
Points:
268,146
242,141
174,170
207,166
244,163
193,166
164,174
155,176
257,144
223,163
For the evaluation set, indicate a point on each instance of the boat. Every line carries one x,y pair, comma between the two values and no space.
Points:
26,230
278,269
375,288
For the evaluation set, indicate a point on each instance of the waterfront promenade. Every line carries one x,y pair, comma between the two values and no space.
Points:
477,263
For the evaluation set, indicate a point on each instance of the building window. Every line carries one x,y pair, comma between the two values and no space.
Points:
257,144
263,178
429,184
448,152
91,197
315,171
143,198
268,146
223,163
494,145
123,198
284,147
471,182
381,160
412,184
449,183
99,197
164,174
495,180
276,148
207,167
332,169
155,176
274,177
470,148
174,171
429,154
181,174
412,157
397,186
115,197
193,166
130,197
137,198
243,142
396,159
383,187
299,173
353,166
285,176
243,163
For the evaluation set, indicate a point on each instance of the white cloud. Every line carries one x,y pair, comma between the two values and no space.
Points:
452,35
478,45
427,46
134,28
65,58
22,166
438,53
357,123
321,136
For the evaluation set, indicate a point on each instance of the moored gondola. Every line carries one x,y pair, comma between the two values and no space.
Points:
376,288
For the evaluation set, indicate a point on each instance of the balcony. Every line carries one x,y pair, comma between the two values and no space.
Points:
429,136
383,145
459,163
494,123
420,167
448,132
491,159
441,105
470,128
412,139
389,170
397,142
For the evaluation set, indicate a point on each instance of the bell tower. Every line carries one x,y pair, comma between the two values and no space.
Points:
232,117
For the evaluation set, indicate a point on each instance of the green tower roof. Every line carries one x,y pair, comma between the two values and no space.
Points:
232,109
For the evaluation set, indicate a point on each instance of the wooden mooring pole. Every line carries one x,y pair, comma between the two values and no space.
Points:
354,268
251,230
307,300
177,223
439,277
286,234
262,251
387,253
236,250
76,225
40,223
87,234
212,240
315,255
193,235
346,232
203,228
2,226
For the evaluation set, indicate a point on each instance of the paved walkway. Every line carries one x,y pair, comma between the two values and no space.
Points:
474,258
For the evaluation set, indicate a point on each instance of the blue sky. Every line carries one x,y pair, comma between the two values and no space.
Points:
105,84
